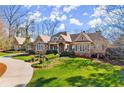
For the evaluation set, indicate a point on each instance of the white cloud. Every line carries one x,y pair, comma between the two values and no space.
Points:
61,27
95,22
52,17
62,18
100,10
28,6
36,16
67,9
85,14
75,21
56,14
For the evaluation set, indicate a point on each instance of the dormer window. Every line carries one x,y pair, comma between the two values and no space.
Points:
55,38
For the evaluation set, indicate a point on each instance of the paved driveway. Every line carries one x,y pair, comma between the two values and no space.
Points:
18,73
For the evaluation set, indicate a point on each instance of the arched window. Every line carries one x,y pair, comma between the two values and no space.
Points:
82,38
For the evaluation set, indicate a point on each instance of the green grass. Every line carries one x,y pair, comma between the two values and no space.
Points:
23,57
6,53
78,72
52,56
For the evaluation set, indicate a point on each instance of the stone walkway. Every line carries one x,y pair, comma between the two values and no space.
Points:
18,73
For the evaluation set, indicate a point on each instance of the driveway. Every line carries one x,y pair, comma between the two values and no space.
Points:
18,73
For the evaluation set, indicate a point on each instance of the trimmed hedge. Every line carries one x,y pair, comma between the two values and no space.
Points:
52,52
31,52
67,54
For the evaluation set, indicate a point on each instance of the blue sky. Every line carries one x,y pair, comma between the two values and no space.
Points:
72,18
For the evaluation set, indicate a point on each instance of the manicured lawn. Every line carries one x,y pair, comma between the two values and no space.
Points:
6,53
2,68
28,57
78,72
23,57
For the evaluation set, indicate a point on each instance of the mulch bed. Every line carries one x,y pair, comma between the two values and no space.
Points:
2,69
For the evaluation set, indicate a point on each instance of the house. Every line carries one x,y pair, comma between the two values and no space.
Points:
18,43
41,43
83,44
60,42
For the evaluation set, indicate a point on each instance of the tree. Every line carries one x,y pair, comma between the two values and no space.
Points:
114,22
49,27
5,42
111,20
115,16
12,15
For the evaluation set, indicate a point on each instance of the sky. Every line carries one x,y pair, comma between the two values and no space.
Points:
71,18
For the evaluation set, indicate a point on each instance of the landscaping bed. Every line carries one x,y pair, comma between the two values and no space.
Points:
78,72
2,69
48,61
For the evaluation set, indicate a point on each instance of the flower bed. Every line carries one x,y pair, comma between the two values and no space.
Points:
2,68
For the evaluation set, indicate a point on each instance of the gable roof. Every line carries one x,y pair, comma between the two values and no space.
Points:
67,37
74,36
60,33
45,38
85,36
20,40
97,37
92,37
64,35
89,37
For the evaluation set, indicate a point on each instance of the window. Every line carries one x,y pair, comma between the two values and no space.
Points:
103,47
82,38
83,48
78,47
88,47
75,47
39,46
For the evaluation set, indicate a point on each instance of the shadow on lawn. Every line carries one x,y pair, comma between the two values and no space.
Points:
41,81
98,80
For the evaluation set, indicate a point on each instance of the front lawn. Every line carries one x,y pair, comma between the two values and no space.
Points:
23,57
29,57
78,72
7,53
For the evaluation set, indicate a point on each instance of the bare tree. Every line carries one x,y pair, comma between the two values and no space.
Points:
49,27
115,15
12,15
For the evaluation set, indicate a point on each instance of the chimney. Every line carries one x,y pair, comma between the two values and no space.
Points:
99,32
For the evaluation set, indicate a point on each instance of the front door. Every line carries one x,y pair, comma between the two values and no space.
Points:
61,47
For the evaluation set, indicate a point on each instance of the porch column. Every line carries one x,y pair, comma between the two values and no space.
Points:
97,55
49,47
58,47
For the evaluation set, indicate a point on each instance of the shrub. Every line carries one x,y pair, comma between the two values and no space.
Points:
65,54
51,56
31,52
28,60
116,55
51,52
36,65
